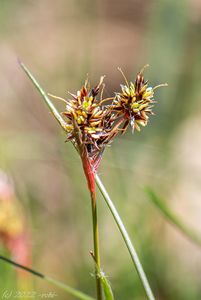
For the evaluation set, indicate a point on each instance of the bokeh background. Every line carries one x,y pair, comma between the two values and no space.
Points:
61,41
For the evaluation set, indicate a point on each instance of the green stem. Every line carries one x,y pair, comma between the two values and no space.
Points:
57,283
96,245
90,177
127,240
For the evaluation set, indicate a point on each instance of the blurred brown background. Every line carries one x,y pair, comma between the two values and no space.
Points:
61,41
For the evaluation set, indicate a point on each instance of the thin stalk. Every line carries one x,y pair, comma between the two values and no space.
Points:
96,245
127,240
90,176
57,283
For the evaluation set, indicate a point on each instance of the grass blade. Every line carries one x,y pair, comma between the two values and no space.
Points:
106,287
172,217
108,294
57,283
127,240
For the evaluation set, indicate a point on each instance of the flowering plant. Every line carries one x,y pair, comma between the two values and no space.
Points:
91,123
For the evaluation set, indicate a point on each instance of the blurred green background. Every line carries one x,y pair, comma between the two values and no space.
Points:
61,41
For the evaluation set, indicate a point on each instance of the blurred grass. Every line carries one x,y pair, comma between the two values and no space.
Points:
172,217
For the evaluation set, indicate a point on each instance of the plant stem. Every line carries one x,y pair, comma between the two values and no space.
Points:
57,283
96,245
90,177
126,238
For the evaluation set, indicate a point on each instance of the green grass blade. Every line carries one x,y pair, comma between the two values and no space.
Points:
57,283
172,217
127,240
107,290
106,286
49,103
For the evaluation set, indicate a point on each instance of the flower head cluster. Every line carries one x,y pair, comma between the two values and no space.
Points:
92,123
135,102
89,114
88,122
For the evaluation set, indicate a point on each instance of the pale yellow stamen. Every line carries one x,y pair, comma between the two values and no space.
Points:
160,85
122,73
58,98
142,70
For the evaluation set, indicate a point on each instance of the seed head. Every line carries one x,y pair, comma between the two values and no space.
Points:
135,102
88,121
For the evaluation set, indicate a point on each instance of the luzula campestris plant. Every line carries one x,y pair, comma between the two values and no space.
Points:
91,124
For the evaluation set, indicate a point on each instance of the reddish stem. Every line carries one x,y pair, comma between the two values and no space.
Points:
89,173
90,176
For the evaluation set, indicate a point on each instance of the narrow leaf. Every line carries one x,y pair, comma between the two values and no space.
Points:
104,281
126,238
59,284
106,286
172,217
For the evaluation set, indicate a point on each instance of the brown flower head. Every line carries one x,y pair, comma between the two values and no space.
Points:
135,102
89,121
92,122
